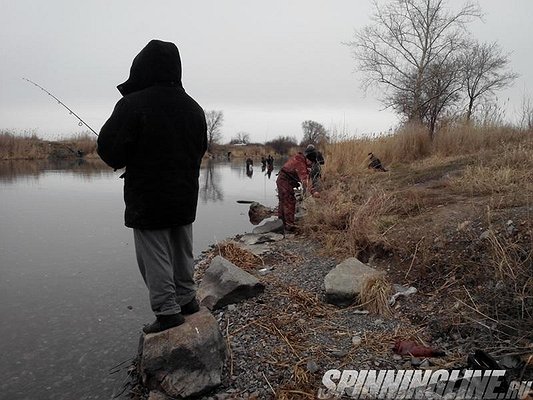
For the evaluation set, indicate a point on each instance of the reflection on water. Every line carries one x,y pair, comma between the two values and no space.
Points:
72,301
210,189
11,171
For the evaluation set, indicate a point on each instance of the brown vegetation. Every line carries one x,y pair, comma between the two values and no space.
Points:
29,146
452,217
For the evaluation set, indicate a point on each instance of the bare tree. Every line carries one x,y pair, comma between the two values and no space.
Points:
314,132
405,40
485,71
441,92
214,120
240,138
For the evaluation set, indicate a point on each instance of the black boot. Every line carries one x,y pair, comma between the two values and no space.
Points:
164,322
191,307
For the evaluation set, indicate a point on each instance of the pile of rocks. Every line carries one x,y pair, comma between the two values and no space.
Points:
188,360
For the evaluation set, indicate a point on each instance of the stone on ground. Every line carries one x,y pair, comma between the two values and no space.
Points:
269,226
259,212
252,239
224,283
343,283
186,360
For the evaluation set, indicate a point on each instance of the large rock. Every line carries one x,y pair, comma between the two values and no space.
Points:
224,283
343,283
259,212
269,226
258,244
253,239
186,360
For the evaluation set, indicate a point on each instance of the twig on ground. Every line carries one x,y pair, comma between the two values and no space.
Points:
414,257
228,345
486,316
268,383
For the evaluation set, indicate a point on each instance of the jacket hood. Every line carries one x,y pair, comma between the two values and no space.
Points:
158,63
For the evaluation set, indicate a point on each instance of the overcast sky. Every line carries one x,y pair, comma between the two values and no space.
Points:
268,65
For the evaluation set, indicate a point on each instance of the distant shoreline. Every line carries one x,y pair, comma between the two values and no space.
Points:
31,147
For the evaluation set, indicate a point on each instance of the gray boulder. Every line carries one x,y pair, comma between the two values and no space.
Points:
224,283
343,283
252,239
269,226
259,212
186,360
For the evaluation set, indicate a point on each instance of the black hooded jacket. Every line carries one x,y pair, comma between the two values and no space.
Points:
158,132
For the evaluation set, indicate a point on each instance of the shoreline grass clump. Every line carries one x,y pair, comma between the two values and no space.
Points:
375,295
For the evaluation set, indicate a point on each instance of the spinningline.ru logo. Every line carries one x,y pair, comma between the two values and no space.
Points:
419,384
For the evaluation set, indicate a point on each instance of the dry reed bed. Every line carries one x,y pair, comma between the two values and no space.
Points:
30,147
17,147
468,162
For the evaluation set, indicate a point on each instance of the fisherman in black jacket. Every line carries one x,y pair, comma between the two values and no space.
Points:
158,132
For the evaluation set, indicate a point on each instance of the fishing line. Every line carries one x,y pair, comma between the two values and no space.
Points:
81,121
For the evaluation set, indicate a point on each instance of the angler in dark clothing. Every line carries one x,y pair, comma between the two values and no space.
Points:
270,161
270,165
316,168
249,167
374,163
158,132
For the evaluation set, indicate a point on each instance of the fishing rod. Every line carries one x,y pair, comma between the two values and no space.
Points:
81,121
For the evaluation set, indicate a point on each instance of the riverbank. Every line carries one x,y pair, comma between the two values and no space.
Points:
282,342
451,218
31,147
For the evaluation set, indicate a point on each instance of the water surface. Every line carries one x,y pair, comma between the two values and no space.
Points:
72,301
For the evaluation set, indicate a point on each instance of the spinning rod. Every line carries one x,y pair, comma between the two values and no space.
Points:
81,121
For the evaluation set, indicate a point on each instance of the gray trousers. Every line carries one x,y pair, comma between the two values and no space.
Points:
166,262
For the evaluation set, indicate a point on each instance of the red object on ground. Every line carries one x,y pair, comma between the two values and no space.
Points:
407,347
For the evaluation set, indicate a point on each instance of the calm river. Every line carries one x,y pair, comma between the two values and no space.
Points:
72,301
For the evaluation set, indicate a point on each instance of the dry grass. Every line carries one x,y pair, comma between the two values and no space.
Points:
28,146
351,221
468,161
375,294
242,258
25,146
409,215
511,265
83,142
412,143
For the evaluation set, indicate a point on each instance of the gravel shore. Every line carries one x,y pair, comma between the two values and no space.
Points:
281,342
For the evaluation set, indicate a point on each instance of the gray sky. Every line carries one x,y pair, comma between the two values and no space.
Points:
268,65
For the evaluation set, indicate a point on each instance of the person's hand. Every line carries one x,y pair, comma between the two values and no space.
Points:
316,195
